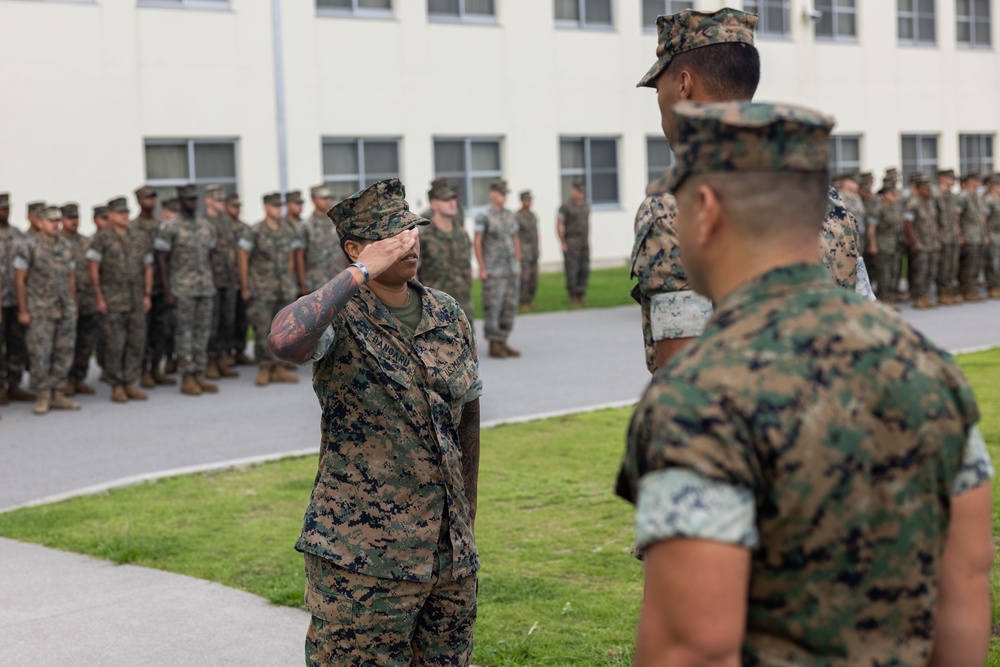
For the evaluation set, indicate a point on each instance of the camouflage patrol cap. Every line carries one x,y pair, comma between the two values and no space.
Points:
53,214
689,30
118,205
946,173
187,191
499,185
526,194
867,177
70,210
919,179
746,136
321,192
579,184
294,197
215,191
36,207
144,191
272,199
887,189
441,190
377,212
100,211
4,200
233,200
972,176
171,204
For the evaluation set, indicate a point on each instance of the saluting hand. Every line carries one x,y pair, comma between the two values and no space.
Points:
24,318
380,255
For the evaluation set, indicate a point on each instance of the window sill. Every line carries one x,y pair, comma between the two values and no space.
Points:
210,7
587,27
463,20
339,14
849,41
981,48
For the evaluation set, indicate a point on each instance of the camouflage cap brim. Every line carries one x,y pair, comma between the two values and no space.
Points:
378,212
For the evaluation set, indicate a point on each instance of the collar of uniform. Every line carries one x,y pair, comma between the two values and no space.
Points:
776,282
429,318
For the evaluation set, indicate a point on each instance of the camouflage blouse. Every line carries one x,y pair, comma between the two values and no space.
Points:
48,265
446,262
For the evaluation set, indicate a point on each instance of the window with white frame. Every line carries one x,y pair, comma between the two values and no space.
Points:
845,154
186,4
920,153
357,8
975,154
772,16
973,23
916,22
653,8
838,22
593,160
659,157
595,14
468,11
469,164
351,164
171,163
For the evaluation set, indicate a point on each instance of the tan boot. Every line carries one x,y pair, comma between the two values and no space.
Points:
70,389
20,395
134,394
161,379
84,388
281,374
118,394
190,387
994,292
146,380
170,367
42,402
242,359
212,369
921,303
511,352
206,387
4,398
496,349
263,376
972,296
60,402
227,371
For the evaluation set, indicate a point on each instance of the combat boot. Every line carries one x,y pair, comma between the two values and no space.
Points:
226,371
161,379
212,369
4,398
496,349
70,389
82,387
189,387
994,292
134,394
263,376
281,374
17,394
972,296
118,394
206,387
146,379
170,367
42,402
242,359
60,402
509,351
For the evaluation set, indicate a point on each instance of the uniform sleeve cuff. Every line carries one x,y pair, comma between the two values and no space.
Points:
678,315
976,466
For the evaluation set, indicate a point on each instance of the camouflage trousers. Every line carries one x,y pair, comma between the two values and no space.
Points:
125,343
922,270
529,280
193,321
50,346
260,313
241,324
576,263
972,264
361,621
886,267
499,306
223,321
160,331
14,357
992,265
88,328
947,274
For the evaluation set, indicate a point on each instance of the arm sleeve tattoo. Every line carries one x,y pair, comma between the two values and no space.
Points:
468,442
298,327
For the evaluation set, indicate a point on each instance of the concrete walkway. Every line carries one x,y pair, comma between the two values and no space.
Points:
58,608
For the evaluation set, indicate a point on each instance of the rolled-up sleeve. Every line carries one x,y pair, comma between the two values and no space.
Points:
976,465
678,314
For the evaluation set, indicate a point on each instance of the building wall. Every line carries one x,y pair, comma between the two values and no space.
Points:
86,83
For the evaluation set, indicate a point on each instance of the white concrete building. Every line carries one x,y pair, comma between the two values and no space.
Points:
102,95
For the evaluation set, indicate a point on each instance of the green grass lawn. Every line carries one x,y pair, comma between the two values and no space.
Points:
558,586
608,287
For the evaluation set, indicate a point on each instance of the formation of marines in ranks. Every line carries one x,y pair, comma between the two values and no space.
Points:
950,240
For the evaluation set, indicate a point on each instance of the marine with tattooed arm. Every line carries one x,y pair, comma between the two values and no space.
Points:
390,556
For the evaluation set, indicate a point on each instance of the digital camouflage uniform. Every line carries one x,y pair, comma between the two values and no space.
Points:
527,233
88,322
887,225
226,278
992,212
970,215
390,555
446,263
51,336
160,320
123,259
14,357
190,243
812,428
241,322
501,289
922,214
576,235
324,257
272,279
947,273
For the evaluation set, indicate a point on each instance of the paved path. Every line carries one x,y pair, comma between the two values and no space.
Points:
58,608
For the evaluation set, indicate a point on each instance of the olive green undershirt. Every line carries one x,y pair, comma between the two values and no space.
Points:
409,314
